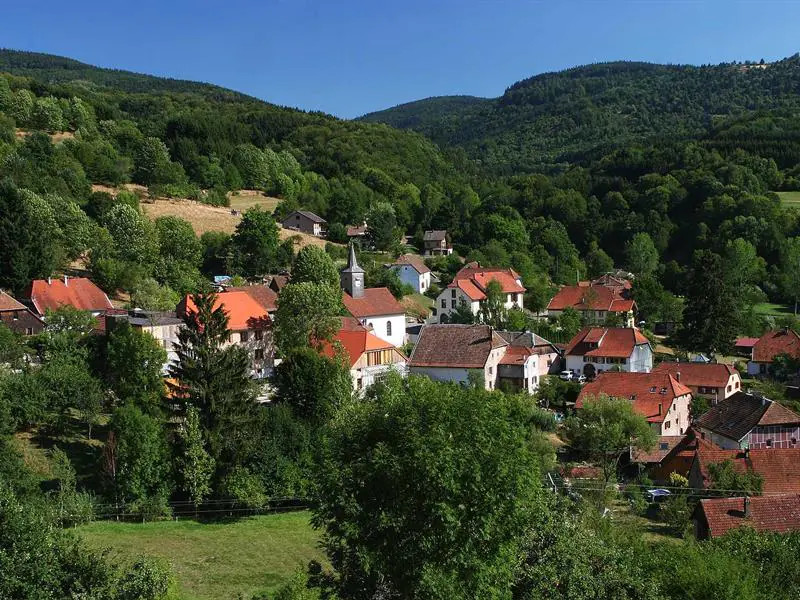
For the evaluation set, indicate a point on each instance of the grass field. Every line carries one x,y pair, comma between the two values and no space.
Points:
791,199
216,561
775,310
244,199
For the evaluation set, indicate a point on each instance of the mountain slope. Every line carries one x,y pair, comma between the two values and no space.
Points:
583,111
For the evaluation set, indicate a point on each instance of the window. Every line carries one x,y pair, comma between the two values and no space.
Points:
514,298
762,369
663,446
16,316
259,335
549,362
29,331
730,387
453,293
666,424
444,303
243,336
259,354
388,328
491,370
769,443
737,385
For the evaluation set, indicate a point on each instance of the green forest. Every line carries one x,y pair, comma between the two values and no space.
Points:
672,173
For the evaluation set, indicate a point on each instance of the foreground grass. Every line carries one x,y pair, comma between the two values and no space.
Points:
217,560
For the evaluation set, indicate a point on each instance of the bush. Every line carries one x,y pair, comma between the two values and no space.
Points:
337,233
216,197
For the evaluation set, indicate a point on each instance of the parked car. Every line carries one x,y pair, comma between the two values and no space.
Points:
657,495
566,375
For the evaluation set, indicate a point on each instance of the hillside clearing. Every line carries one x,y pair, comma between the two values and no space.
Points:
214,561
789,199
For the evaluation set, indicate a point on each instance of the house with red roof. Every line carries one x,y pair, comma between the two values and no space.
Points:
671,454
749,421
779,468
658,397
714,517
249,325
596,300
375,308
78,292
596,349
470,286
770,345
412,270
18,317
715,381
369,357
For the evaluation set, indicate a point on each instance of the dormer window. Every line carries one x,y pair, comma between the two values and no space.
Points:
653,390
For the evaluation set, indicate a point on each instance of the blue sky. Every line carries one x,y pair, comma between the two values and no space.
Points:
354,56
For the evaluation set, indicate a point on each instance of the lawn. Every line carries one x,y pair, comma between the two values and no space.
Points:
790,199
775,310
217,560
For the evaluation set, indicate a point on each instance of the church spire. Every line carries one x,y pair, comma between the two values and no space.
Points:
352,276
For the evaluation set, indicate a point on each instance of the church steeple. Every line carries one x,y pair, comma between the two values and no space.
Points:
352,276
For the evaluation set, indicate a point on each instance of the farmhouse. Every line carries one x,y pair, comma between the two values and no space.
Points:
748,421
411,269
715,381
436,243
369,357
306,222
714,517
595,302
659,397
18,317
78,292
163,326
470,286
596,349
770,345
374,308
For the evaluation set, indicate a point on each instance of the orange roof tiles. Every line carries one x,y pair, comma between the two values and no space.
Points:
594,297
243,311
8,302
773,343
778,467
355,340
79,292
699,374
651,393
779,514
614,342
375,302
262,294
480,277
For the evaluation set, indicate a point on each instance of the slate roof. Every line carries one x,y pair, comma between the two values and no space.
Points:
455,346
593,297
8,302
735,416
79,292
651,393
778,467
699,374
613,342
527,339
307,214
779,514
376,302
414,261
776,342
435,235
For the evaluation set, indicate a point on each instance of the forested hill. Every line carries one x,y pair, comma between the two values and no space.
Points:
582,112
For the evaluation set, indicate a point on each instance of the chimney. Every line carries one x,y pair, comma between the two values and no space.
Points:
49,281
660,408
66,280
746,506
678,376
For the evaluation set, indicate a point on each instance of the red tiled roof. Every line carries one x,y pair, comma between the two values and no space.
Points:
735,416
652,393
516,355
772,343
779,514
746,342
414,261
455,346
472,291
778,467
243,311
594,297
79,292
699,374
614,342
375,302
355,340
664,446
481,277
8,302
262,294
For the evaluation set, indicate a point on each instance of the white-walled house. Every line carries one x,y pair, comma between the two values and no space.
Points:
469,287
714,381
659,397
412,270
596,349
453,352
528,357
375,308
770,345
